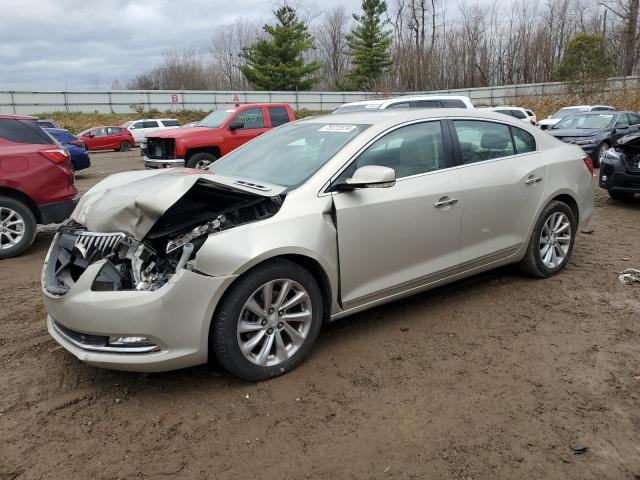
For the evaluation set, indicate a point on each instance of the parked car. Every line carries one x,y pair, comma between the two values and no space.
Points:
620,168
551,120
47,123
107,138
595,131
76,147
517,112
36,182
216,135
308,223
414,101
139,128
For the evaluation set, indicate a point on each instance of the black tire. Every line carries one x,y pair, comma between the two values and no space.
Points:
125,146
532,263
200,160
29,221
604,146
223,335
621,196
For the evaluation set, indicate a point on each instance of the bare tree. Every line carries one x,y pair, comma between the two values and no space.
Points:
331,47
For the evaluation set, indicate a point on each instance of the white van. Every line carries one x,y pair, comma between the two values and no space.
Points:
139,128
413,101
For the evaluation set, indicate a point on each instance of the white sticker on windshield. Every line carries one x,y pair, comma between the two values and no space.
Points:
338,128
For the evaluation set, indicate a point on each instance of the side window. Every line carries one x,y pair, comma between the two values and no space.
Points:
252,118
153,124
530,113
426,104
452,103
23,131
634,118
100,132
279,116
400,105
518,114
481,140
408,150
170,123
622,120
524,141
135,125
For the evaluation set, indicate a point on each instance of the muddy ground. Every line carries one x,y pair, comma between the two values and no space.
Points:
495,377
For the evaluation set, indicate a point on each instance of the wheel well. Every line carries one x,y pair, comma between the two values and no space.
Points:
212,150
9,192
573,205
313,267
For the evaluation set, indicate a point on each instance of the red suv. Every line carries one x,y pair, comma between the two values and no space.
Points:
107,138
36,182
214,136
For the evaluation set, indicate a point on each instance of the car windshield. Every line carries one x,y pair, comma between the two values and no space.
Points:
288,155
586,121
215,118
563,112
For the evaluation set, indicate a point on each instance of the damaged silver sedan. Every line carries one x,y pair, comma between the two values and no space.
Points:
313,221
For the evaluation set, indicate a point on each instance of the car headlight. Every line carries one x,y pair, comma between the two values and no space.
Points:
612,155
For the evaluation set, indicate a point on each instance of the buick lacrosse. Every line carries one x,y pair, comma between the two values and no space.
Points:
310,222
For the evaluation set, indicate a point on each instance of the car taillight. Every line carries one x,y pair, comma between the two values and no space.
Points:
588,163
55,155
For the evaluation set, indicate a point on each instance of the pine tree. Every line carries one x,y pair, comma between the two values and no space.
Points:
277,63
368,46
586,58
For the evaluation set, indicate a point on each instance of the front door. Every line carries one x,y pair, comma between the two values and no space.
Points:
254,125
397,238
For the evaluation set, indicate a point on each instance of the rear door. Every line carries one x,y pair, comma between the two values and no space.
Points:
278,116
503,178
405,236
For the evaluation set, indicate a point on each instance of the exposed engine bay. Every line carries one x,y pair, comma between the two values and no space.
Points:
169,246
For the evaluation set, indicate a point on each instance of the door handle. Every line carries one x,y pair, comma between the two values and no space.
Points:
445,202
531,180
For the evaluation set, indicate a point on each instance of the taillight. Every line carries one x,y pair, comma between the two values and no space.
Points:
588,163
55,155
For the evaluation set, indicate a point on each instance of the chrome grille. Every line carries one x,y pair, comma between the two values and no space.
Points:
91,244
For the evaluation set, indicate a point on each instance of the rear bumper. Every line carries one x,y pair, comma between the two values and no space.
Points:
162,163
58,211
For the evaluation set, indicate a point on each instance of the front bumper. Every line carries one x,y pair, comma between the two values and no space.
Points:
162,163
58,211
175,317
619,181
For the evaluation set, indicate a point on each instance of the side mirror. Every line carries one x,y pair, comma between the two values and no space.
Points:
370,176
236,124
622,126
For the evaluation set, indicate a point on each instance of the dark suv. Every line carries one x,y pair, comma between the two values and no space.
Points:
36,182
620,168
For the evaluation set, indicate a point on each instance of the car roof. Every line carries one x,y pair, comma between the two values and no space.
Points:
56,130
600,112
405,98
396,116
149,120
18,117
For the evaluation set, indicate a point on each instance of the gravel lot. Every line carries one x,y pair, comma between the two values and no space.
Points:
495,377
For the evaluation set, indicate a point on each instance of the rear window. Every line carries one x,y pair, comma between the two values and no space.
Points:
46,124
279,116
24,131
64,137
170,123
452,103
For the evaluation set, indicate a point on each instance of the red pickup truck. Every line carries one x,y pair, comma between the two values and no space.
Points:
214,136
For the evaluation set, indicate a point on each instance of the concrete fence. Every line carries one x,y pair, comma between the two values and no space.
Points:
121,101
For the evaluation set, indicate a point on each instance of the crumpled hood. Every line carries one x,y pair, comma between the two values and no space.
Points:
629,140
132,202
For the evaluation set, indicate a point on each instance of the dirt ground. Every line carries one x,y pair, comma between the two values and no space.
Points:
496,377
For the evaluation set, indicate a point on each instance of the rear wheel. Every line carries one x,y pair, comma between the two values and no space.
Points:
200,160
551,243
621,196
125,146
17,227
268,322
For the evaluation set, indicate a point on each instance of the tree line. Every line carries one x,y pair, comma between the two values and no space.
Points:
410,45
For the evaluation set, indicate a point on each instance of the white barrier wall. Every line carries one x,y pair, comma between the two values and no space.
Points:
120,101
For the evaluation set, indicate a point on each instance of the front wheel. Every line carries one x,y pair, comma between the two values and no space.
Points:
551,243
200,160
125,146
268,322
17,227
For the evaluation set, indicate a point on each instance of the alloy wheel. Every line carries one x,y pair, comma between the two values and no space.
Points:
274,322
12,228
555,240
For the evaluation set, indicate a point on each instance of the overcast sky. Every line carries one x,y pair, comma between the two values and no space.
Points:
78,44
